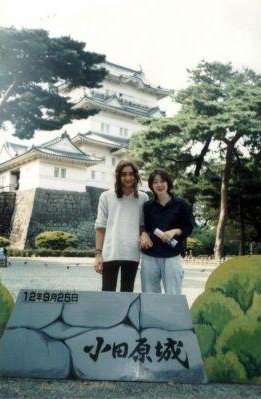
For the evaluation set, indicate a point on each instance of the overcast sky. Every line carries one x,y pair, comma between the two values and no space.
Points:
164,37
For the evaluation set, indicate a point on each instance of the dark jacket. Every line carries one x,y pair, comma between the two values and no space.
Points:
176,214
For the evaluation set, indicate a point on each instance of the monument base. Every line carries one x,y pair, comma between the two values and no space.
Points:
101,336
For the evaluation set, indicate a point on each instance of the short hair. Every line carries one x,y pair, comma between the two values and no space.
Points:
165,177
118,186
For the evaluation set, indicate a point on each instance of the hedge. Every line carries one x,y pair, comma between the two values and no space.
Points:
56,240
4,242
227,321
73,253
255,310
225,368
6,306
243,337
214,309
206,339
238,278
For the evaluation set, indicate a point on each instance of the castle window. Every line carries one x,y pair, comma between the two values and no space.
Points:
59,172
56,172
123,132
63,173
105,127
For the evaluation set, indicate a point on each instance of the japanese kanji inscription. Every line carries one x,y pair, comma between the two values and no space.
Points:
101,336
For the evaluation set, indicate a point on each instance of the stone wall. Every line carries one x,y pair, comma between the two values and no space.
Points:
24,203
74,212
7,204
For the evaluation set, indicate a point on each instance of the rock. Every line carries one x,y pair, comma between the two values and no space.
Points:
98,309
169,312
27,353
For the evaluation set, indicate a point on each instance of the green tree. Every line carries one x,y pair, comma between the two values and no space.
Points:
221,111
162,144
244,201
33,68
230,102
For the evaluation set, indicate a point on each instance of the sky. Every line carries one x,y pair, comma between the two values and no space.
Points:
163,37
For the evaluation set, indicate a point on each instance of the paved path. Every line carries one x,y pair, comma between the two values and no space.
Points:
78,274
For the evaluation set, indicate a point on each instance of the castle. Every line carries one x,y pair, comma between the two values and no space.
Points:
73,169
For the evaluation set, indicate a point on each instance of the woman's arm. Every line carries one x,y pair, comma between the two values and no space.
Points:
100,234
145,241
100,229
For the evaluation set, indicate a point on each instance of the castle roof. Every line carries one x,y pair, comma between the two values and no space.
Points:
117,105
135,78
60,148
112,142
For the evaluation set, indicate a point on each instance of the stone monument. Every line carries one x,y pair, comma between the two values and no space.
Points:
101,336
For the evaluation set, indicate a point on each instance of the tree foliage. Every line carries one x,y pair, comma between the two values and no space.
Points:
33,67
220,116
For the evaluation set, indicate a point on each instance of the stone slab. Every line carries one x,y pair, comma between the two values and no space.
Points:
101,336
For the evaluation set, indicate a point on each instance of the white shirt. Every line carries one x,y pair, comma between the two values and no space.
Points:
122,218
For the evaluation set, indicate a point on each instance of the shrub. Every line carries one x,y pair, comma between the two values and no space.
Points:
4,242
225,368
51,252
56,240
242,337
230,305
6,306
238,278
195,245
205,240
206,339
255,311
214,309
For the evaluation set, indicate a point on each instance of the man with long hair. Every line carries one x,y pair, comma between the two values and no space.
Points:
118,226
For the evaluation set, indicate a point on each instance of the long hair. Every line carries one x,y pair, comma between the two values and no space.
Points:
118,186
165,177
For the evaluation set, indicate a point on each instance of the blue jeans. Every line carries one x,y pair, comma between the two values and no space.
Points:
168,270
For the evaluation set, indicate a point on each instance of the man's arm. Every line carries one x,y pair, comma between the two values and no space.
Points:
99,236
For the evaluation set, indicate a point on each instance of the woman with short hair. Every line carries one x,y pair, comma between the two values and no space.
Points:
167,222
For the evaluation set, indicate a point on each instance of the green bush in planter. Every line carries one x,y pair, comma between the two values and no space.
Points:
56,240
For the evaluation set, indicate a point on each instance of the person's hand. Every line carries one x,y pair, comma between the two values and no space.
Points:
145,241
98,265
169,234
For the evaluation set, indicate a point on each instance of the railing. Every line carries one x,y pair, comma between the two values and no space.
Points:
121,99
203,260
10,187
